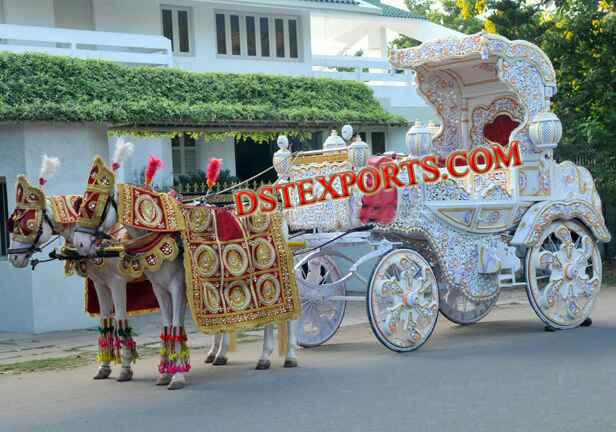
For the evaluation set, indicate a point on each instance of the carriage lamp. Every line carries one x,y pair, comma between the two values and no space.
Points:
347,132
358,153
433,129
282,157
545,131
418,140
333,141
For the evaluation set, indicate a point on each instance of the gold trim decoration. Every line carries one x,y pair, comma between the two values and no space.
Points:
28,215
268,289
146,209
333,156
198,219
237,295
206,260
258,222
133,266
263,253
235,259
63,208
99,190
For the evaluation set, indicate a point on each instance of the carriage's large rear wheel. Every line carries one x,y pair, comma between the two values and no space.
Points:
563,273
321,315
403,300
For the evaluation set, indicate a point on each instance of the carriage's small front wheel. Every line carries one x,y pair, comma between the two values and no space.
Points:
403,300
563,273
321,314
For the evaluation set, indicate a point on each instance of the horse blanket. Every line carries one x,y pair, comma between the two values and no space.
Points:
239,272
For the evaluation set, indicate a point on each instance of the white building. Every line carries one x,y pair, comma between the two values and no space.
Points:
313,38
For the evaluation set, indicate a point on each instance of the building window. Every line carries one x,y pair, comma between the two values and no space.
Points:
257,36
177,28
4,216
184,155
378,143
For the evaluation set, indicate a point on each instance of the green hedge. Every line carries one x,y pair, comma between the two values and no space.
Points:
38,87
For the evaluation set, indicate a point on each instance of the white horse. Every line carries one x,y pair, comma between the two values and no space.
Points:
110,289
170,290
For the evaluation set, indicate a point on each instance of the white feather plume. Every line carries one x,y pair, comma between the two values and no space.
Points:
49,167
123,150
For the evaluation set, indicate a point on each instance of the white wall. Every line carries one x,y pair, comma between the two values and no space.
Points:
135,165
29,12
16,312
218,149
46,300
143,16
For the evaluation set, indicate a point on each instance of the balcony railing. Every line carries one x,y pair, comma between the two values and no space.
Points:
359,68
127,48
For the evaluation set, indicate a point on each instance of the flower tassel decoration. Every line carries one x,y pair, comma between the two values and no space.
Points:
154,164
123,150
49,167
213,172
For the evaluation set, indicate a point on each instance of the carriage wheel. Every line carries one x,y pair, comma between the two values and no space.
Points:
459,309
321,316
563,272
403,300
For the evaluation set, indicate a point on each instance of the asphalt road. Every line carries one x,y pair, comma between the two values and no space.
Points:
503,374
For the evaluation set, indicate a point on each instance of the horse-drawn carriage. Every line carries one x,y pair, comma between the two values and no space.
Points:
448,245
452,245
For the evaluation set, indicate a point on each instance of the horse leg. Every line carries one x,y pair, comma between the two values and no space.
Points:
128,347
164,302
105,331
182,362
211,354
221,355
268,347
291,359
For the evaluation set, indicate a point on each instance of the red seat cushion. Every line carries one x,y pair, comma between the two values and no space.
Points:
381,206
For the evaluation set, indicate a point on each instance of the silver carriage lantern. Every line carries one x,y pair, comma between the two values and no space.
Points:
358,150
419,140
545,131
282,158
334,141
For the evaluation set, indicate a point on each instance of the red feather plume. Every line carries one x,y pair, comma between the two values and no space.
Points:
213,171
154,164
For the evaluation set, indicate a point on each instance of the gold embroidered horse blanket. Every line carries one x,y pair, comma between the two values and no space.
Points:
239,272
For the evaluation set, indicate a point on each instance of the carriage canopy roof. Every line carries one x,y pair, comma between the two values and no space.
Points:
37,87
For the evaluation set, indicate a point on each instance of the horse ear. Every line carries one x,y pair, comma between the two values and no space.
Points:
77,204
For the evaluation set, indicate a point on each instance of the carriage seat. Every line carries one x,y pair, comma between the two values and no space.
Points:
381,206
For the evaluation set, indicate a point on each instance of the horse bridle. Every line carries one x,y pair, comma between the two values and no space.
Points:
33,247
96,232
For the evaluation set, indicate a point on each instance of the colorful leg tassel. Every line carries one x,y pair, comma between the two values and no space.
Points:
108,343
128,345
174,353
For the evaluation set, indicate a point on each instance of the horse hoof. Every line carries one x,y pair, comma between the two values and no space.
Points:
263,364
103,373
290,363
164,379
176,385
550,329
586,323
220,361
125,375
210,358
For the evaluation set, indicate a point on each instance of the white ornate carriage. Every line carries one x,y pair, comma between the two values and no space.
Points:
454,244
